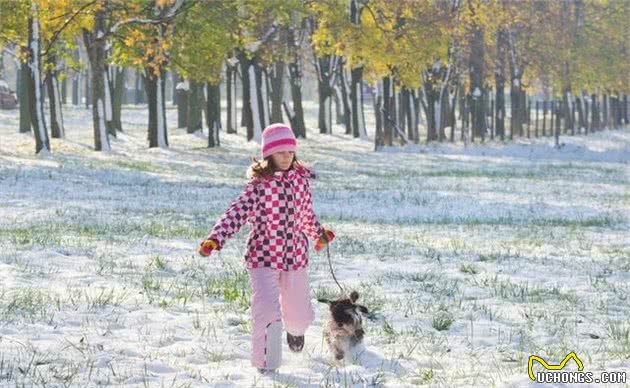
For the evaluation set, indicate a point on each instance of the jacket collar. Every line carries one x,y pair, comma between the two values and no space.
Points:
292,172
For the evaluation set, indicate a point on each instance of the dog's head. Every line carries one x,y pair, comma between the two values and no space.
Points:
346,313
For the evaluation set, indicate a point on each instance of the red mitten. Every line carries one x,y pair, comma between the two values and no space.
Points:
207,246
324,240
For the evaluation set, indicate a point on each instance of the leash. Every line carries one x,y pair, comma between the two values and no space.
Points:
332,271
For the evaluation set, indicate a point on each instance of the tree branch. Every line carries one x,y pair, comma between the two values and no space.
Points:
63,27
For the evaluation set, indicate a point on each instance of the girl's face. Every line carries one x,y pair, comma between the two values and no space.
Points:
282,160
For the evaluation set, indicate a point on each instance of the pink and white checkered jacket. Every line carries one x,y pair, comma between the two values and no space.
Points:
280,209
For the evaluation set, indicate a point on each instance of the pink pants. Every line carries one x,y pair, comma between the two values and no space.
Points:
278,296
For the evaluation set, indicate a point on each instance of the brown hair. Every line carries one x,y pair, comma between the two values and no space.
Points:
265,168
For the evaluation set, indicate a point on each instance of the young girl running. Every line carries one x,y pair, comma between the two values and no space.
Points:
277,202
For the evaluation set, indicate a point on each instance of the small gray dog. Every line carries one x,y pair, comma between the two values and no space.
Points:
345,328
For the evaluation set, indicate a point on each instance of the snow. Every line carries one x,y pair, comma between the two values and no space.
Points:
183,85
523,246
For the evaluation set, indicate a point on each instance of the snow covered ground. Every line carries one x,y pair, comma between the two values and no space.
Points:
471,259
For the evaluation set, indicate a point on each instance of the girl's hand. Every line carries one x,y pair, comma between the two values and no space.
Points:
206,247
326,238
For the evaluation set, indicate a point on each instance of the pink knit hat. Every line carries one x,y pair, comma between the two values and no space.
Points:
276,138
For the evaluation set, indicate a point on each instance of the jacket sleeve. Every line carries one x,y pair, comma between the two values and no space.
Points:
310,222
235,216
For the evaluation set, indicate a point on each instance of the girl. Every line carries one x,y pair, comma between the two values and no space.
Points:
277,202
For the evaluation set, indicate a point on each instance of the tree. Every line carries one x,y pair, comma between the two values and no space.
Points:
202,60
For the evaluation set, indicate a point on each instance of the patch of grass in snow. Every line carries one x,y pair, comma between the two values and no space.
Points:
410,277
323,292
48,234
137,165
421,376
468,268
482,173
619,334
442,318
94,299
29,304
378,250
499,256
233,286
30,367
108,264
490,312
523,291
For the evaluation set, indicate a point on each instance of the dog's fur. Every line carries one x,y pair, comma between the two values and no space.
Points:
345,328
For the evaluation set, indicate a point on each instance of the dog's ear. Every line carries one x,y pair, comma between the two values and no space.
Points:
363,309
354,296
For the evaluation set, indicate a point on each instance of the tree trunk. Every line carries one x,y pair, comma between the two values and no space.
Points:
95,44
499,81
378,111
430,110
117,97
64,91
109,92
453,120
140,95
23,95
76,88
195,106
325,68
88,86
297,118
154,85
257,102
386,110
54,101
587,112
580,110
174,80
415,104
213,109
605,112
345,98
277,78
356,96
181,93
36,96
594,113
246,112
230,91
476,82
